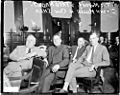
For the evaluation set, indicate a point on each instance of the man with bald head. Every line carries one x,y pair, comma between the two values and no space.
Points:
23,57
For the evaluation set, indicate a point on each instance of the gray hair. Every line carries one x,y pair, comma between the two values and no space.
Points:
31,37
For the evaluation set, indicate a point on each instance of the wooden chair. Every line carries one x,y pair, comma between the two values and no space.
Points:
89,83
58,81
33,81
29,82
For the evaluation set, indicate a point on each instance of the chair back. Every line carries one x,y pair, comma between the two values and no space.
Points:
38,69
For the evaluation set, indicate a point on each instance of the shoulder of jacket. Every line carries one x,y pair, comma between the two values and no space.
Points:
50,47
20,46
74,46
102,46
65,46
88,47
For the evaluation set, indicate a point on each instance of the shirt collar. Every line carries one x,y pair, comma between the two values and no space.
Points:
95,47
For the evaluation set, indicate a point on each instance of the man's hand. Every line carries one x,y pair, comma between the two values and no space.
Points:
55,68
20,58
75,60
31,54
91,68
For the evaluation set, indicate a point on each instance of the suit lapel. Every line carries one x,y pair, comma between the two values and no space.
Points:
97,49
74,50
22,51
57,50
52,52
80,51
89,50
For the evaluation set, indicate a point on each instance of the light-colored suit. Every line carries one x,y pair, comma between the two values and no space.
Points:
14,68
100,58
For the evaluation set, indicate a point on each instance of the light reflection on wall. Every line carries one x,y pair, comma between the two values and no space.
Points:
85,16
8,19
32,13
109,17
9,16
61,9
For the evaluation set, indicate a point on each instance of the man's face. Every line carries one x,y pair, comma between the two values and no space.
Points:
94,39
30,42
57,40
80,42
117,39
101,39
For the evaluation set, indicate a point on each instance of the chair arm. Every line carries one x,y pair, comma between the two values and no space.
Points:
29,89
63,69
20,77
98,70
103,67
26,70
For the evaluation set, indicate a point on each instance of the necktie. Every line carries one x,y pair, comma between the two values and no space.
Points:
92,54
29,51
75,54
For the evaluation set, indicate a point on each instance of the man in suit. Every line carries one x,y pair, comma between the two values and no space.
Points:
117,43
78,50
117,57
23,57
95,55
102,41
58,57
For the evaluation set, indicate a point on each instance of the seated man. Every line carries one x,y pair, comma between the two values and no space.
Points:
95,55
23,57
58,57
102,41
77,51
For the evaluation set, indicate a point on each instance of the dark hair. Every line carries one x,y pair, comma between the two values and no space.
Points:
57,34
98,34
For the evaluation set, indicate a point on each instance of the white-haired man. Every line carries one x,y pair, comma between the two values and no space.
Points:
23,57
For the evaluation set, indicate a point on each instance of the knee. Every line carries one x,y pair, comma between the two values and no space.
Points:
48,80
71,65
74,76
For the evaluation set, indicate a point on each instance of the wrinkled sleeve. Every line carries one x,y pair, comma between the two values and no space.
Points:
105,58
65,55
14,55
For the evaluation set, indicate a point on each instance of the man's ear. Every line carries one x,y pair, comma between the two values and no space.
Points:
61,40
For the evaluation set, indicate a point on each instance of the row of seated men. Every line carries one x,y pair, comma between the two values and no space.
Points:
84,61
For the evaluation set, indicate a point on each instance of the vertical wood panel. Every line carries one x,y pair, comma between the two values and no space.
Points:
18,14
47,24
95,16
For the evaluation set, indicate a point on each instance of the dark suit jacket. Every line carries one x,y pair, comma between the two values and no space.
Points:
79,53
58,55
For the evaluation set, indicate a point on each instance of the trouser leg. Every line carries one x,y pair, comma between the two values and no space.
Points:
13,70
81,72
71,70
73,84
47,82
